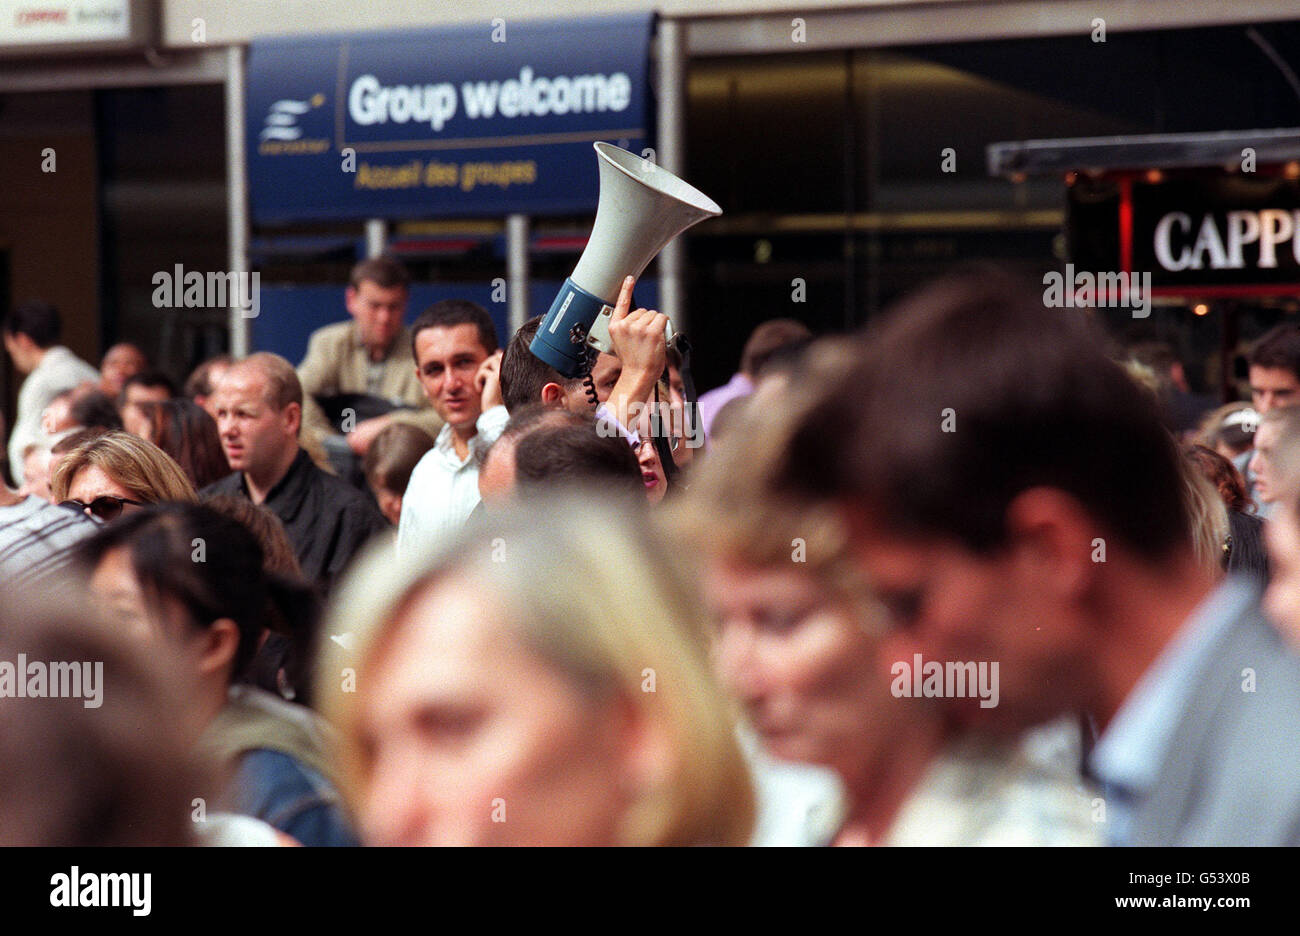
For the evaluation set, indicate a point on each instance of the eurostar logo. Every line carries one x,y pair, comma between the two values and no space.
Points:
282,118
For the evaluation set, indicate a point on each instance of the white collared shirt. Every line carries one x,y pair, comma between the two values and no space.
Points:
443,490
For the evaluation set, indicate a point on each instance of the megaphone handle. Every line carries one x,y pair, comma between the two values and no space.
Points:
588,384
664,449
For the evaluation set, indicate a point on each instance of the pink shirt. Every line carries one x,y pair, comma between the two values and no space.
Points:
738,386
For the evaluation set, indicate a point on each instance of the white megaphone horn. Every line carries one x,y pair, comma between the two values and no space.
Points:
642,207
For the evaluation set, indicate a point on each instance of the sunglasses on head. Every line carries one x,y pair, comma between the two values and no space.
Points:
105,507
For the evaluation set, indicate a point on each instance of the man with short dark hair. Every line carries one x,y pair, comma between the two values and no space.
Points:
259,414
1012,497
31,336
150,386
623,380
555,456
545,447
496,474
141,388
1274,362
94,409
455,347
367,355
526,378
1275,368
204,379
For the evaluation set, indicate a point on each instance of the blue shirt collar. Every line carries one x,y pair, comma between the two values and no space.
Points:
1133,748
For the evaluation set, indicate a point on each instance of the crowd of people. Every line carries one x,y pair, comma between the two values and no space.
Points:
975,575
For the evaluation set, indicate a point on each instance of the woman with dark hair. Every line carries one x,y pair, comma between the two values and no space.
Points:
194,579
282,664
186,432
656,448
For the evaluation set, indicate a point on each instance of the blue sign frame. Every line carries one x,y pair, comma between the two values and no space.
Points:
464,121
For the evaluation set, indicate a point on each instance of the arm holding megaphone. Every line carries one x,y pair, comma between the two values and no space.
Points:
639,340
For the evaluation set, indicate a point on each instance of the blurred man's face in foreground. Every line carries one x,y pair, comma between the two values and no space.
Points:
952,605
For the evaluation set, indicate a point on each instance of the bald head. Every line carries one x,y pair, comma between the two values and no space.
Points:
258,408
280,379
496,476
496,473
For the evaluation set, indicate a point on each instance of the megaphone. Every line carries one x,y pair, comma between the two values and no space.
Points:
642,207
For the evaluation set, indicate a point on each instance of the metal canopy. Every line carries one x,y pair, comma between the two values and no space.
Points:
1145,151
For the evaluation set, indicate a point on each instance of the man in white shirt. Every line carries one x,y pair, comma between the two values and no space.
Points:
455,348
31,336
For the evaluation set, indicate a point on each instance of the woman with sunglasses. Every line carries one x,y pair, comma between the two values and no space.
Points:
118,472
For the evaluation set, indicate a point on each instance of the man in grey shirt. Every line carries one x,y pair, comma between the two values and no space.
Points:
1014,501
31,336
37,539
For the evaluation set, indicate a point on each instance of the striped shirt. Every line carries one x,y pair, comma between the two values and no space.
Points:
36,540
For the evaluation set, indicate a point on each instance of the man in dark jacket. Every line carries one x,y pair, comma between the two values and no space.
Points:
258,406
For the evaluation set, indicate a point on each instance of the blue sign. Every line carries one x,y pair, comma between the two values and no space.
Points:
464,121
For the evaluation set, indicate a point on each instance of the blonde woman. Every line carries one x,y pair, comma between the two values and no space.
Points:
809,655
1207,518
544,682
118,472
